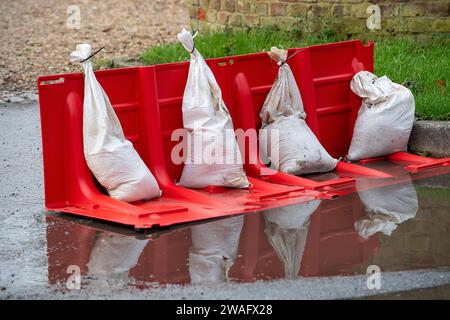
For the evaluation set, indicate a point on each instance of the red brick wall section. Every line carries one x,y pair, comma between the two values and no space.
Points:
348,16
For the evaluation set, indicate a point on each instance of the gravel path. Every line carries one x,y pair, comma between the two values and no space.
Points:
36,39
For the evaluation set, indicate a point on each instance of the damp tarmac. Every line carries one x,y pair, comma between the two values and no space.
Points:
389,239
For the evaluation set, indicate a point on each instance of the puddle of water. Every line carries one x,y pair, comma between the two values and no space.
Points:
400,226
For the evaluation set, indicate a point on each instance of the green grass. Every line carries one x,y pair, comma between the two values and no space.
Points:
221,44
423,66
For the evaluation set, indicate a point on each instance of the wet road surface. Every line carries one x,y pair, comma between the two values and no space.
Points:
319,249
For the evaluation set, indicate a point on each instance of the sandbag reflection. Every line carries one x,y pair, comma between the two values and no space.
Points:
214,249
287,231
386,207
113,256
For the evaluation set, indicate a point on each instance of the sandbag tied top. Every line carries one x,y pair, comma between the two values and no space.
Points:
284,98
285,139
187,40
212,154
385,118
95,106
203,106
371,88
109,155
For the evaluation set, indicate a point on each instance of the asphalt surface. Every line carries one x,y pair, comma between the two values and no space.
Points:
23,246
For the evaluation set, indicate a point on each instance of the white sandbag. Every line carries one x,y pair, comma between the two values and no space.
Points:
214,249
386,207
385,118
212,153
287,232
285,139
111,158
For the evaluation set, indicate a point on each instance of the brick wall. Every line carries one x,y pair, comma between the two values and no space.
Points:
347,16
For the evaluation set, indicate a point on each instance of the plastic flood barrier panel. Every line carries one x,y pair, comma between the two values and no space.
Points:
147,101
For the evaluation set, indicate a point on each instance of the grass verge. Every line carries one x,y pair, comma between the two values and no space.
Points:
423,66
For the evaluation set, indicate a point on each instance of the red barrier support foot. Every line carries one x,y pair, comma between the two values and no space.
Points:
418,163
360,170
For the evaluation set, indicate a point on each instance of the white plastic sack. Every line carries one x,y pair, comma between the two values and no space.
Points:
214,249
287,231
111,158
385,118
386,207
285,139
212,155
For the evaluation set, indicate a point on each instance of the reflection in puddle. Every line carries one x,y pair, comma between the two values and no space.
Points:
386,207
287,230
214,249
397,226
113,256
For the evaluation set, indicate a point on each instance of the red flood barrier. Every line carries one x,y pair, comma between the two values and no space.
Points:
148,101
332,247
